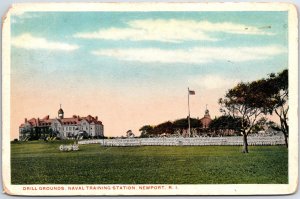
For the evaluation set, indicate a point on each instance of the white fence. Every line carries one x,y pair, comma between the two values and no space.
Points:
90,141
199,141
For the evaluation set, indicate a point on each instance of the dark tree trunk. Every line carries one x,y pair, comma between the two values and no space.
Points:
245,143
284,127
285,133
286,140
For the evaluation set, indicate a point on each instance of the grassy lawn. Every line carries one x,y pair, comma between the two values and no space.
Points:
38,162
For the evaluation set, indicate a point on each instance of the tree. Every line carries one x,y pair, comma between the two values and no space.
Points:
37,132
84,135
247,102
261,124
129,134
165,127
225,122
278,94
183,123
146,131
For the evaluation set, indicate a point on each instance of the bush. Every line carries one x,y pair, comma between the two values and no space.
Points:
15,140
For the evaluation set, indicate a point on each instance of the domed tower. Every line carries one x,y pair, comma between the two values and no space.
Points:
60,113
206,120
206,113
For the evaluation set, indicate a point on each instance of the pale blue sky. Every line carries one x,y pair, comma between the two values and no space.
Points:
60,27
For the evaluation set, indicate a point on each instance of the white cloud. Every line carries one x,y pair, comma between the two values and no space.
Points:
193,55
210,82
197,26
170,31
27,41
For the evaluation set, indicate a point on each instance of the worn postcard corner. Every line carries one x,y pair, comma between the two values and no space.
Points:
150,99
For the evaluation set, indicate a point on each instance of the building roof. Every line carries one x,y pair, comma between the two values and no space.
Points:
75,120
33,122
46,117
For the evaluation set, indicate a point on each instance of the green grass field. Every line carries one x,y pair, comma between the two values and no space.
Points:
38,162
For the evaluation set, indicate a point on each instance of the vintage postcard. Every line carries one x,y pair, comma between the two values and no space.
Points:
150,99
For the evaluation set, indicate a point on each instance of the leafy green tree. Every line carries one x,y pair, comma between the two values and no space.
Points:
168,127
260,124
275,89
278,96
36,133
226,122
165,127
183,123
84,135
247,102
273,125
146,131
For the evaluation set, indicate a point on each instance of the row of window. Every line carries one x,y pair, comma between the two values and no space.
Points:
70,128
73,134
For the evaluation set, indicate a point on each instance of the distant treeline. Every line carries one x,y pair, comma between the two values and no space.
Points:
224,125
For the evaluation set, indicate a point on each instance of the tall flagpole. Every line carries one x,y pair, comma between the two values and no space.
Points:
189,130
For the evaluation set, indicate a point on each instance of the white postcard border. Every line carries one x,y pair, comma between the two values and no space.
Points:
228,189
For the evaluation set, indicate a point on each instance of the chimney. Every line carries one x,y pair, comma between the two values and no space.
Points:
25,120
96,118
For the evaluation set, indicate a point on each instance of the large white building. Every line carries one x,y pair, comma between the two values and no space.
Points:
65,127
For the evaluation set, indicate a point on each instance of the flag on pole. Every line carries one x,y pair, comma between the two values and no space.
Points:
191,92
